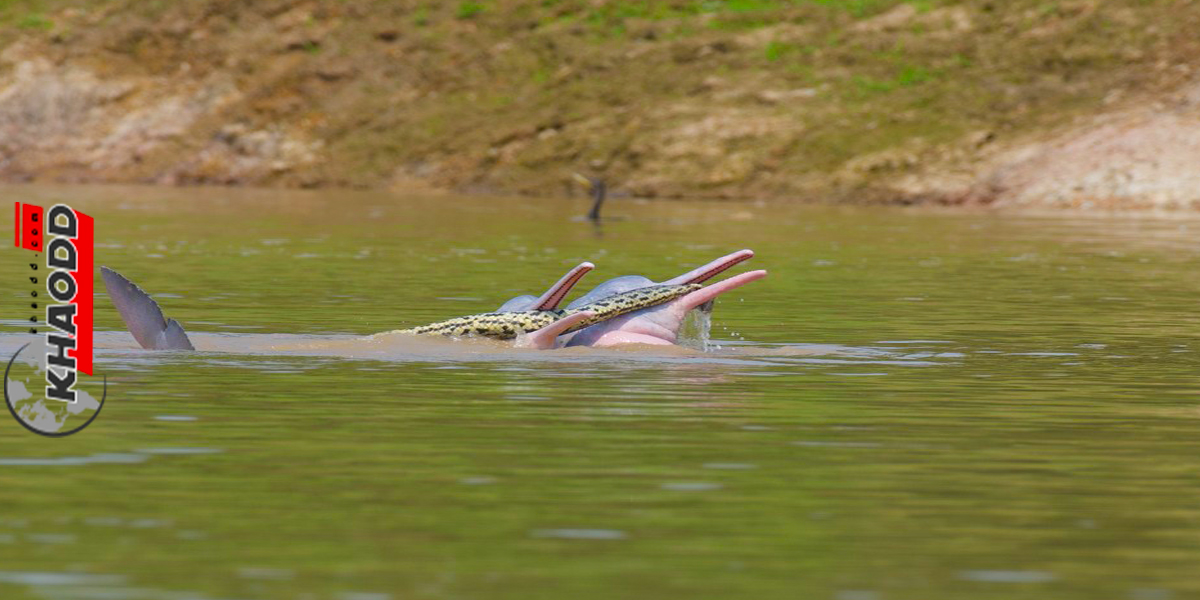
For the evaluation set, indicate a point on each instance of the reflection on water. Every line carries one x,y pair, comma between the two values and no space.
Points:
73,461
913,405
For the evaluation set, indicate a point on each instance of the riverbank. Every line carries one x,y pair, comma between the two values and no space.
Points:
1032,104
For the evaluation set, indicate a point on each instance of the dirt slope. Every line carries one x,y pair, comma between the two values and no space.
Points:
1018,102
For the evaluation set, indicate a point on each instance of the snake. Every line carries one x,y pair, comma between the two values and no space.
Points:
508,325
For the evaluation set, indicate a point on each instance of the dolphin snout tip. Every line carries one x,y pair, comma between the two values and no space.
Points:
747,277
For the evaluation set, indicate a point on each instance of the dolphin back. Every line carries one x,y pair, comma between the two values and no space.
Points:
612,287
142,315
519,304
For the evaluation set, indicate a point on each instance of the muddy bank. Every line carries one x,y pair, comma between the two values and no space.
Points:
1144,157
1074,104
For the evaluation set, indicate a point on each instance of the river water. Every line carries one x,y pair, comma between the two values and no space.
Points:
912,405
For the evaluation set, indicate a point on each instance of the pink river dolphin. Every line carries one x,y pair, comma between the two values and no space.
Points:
658,325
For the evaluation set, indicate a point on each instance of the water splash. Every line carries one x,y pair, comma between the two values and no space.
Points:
697,329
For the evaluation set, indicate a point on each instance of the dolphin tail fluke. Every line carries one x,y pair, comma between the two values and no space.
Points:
175,338
142,315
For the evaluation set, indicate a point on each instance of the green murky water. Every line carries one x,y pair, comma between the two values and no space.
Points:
912,405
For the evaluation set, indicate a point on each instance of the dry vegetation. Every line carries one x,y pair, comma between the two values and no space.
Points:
859,100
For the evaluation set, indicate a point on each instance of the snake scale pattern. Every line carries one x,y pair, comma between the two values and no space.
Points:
508,325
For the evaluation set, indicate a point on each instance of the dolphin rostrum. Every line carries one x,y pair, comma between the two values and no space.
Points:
553,296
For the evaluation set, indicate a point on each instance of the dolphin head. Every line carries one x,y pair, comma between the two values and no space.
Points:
553,296
519,304
626,283
612,287
620,285
658,325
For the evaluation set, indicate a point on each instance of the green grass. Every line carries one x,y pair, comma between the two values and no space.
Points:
468,10
35,21
420,16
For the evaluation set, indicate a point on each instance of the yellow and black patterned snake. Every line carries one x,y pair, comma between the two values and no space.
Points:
508,325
